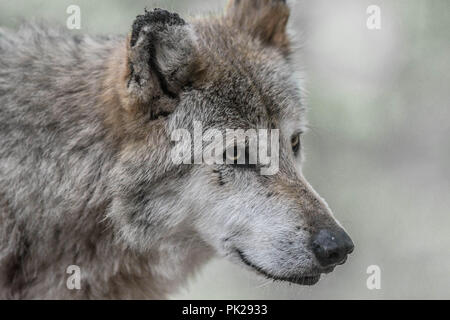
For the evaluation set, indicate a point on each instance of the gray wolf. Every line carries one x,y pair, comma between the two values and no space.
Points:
86,176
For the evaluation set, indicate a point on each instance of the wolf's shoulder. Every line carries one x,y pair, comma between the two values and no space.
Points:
31,35
48,74
40,32
40,43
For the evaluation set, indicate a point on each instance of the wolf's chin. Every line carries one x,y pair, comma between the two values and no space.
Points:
301,280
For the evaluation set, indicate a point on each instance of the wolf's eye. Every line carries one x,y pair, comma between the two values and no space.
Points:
233,155
237,157
295,143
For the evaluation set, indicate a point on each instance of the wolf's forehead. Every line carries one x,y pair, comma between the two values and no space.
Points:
250,80
263,93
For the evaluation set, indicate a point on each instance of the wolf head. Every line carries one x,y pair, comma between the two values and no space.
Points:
231,71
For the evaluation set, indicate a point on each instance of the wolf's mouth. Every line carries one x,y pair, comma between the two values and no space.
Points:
302,280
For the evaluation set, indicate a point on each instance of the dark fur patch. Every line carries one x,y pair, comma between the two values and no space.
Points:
155,17
160,19
13,269
219,177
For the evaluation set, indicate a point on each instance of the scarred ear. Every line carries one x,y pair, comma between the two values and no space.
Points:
263,19
162,56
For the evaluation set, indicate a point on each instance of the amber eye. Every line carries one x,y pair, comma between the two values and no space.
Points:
238,158
233,155
295,143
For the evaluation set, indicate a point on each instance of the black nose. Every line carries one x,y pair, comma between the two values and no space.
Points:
331,247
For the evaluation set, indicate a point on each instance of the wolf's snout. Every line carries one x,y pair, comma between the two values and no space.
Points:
331,247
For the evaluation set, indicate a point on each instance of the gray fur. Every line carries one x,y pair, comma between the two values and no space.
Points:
87,180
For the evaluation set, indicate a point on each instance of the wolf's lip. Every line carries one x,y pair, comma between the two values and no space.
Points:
302,280
306,281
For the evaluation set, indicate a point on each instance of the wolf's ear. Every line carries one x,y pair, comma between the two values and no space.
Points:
263,19
162,56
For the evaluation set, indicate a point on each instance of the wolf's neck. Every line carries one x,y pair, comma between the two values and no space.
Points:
157,273
173,262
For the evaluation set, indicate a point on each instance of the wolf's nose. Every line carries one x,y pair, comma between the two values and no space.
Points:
331,247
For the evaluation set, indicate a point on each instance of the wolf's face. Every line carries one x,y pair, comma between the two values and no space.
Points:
275,224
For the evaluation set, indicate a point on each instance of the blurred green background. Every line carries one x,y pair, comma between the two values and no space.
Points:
378,150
